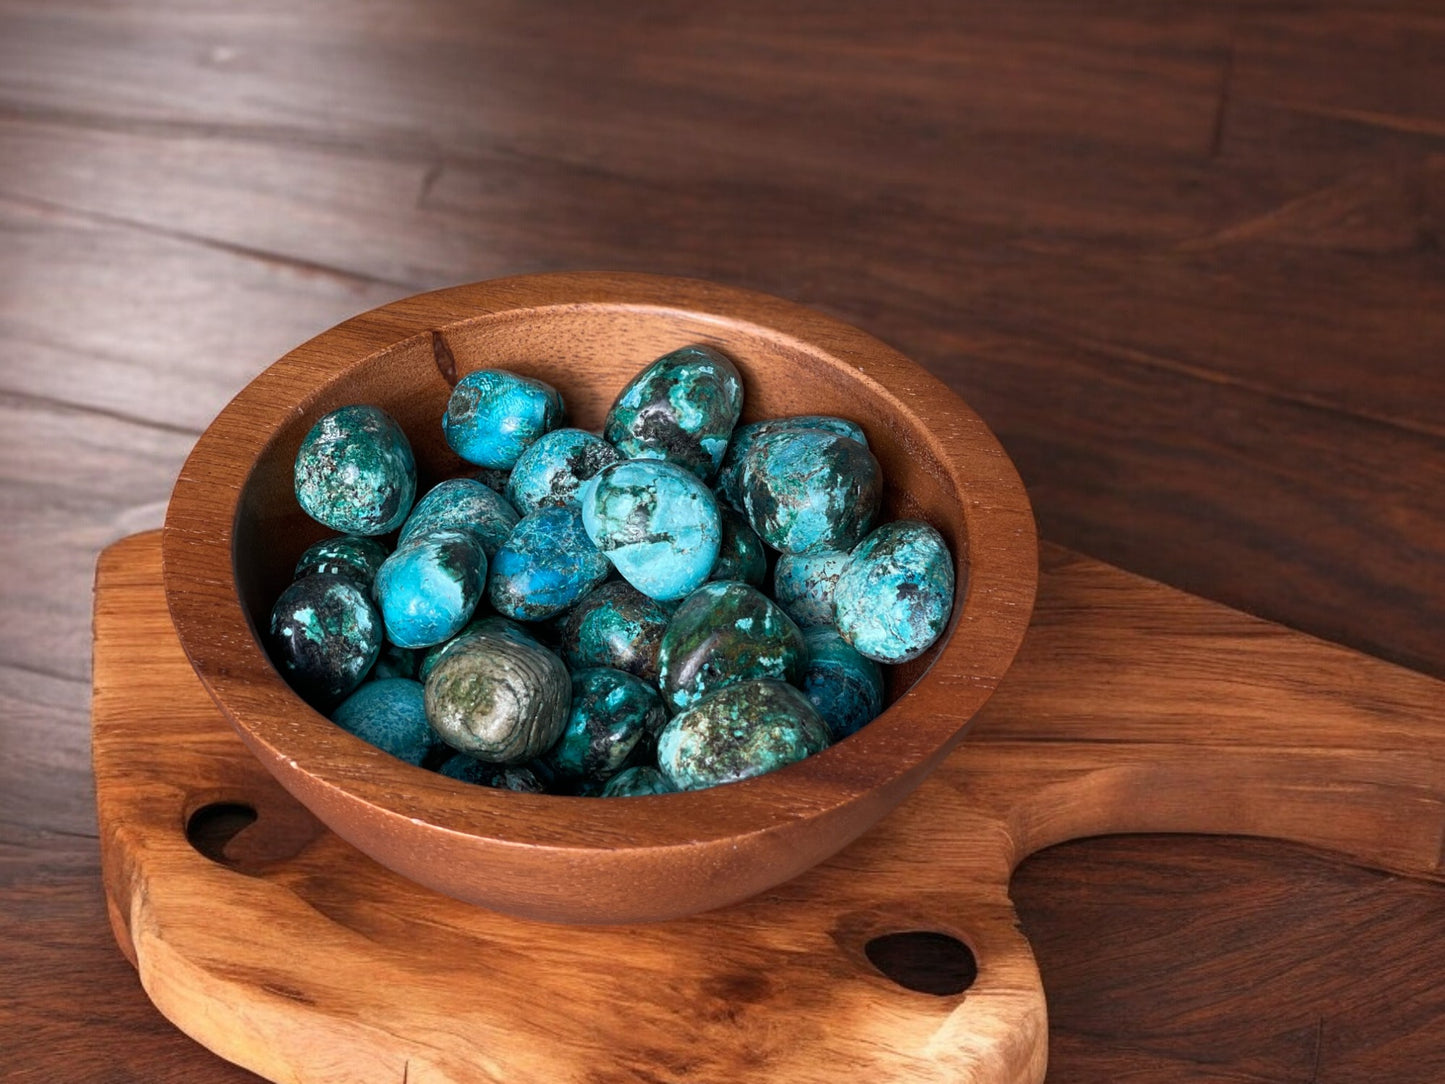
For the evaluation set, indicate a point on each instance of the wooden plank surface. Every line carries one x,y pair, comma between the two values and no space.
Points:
1184,257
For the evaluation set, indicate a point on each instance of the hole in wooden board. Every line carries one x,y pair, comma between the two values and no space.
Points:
924,960
213,826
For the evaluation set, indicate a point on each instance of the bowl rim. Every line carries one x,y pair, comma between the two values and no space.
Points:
306,752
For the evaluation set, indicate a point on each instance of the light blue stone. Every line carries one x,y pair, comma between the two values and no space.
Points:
894,598
546,565
462,504
846,688
803,585
493,415
391,715
551,471
429,588
355,472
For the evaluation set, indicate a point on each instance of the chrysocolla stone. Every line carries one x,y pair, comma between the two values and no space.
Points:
612,712
730,474
740,731
740,552
552,470
498,698
546,565
394,662
657,524
493,478
325,635
894,598
492,623
467,769
681,408
355,472
391,715
722,634
347,555
803,585
846,688
493,415
806,490
462,504
430,586
637,782
617,626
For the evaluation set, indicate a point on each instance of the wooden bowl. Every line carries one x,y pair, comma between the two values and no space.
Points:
234,530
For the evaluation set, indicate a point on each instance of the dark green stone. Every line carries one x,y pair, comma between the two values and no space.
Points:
846,688
637,782
807,490
391,715
612,712
324,636
547,564
681,408
617,626
355,472
740,555
347,555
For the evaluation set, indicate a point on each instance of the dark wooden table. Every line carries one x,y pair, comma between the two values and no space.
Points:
1184,256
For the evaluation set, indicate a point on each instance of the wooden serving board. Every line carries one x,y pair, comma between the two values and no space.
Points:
1132,708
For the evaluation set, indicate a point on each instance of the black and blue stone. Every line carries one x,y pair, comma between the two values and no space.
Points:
722,634
803,585
656,522
681,408
395,662
551,471
490,623
324,636
893,600
493,415
429,588
846,688
391,715
730,474
355,471
545,566
744,730
808,490
514,777
348,555
462,504
612,713
637,782
615,626
740,555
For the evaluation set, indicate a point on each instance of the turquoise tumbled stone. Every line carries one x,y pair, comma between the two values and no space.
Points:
612,712
324,636
394,662
514,777
846,688
740,731
355,472
429,588
730,474
553,468
894,598
722,634
806,490
803,585
493,415
617,626
391,715
348,555
547,564
741,555
462,504
637,782
681,408
657,524
493,624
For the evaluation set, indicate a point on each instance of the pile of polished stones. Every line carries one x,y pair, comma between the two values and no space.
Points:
584,614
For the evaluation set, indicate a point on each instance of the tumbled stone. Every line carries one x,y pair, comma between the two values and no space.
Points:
681,408
391,715
846,688
730,474
547,564
493,415
617,626
519,777
355,472
429,588
324,636
637,782
894,598
348,555
462,504
741,555
807,490
612,712
550,473
803,585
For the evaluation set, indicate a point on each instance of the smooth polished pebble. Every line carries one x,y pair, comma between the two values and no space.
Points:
551,472
730,474
724,633
514,777
616,626
349,555
462,504
547,564
612,712
325,634
429,588
744,730
741,555
681,408
355,472
846,688
656,522
807,490
391,715
493,415
803,585
894,598
637,783
490,623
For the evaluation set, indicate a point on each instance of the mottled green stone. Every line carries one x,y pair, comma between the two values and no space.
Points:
740,554
462,504
740,731
807,490
612,712
724,633
348,555
803,585
617,626
552,470
894,598
730,474
546,565
846,688
355,472
391,715
324,636
637,783
681,408
519,778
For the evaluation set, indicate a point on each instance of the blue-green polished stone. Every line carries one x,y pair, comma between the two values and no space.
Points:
391,715
741,555
894,598
722,634
348,555
730,474
514,777
803,585
657,524
612,712
493,415
355,472
637,782
395,662
462,504
551,471
740,731
617,626
546,565
846,688
490,623
324,636
806,490
681,408
429,588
